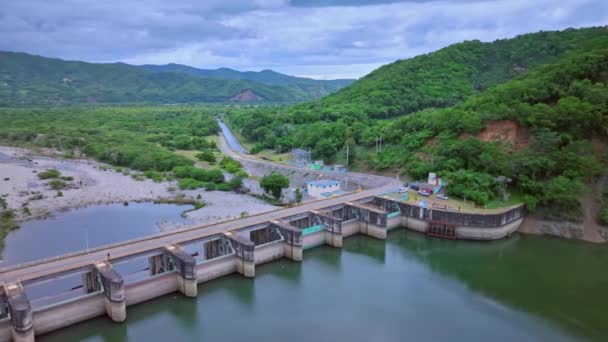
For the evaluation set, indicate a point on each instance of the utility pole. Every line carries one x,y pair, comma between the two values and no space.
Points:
347,150
379,144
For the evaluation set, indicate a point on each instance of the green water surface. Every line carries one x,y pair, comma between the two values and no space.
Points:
409,288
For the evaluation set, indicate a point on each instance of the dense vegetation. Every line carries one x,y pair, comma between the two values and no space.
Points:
317,88
274,183
8,222
33,80
140,138
550,86
355,114
445,77
561,107
136,137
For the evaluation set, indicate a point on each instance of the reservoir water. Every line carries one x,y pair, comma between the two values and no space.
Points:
409,287
93,226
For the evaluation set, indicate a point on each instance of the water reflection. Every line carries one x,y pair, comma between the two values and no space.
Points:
550,278
414,288
84,228
372,248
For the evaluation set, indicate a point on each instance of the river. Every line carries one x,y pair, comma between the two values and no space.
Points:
409,287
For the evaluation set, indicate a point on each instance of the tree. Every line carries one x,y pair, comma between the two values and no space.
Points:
207,156
236,182
298,196
274,184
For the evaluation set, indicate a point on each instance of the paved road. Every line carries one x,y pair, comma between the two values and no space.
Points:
234,143
71,261
40,268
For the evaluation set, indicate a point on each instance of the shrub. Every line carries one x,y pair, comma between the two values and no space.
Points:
236,182
154,175
603,216
210,186
207,156
274,183
230,165
57,184
224,187
242,174
189,183
48,174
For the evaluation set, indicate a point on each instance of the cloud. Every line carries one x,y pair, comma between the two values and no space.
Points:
325,39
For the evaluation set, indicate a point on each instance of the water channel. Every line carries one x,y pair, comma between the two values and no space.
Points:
409,287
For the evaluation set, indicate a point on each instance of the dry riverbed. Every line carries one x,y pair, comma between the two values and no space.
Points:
97,183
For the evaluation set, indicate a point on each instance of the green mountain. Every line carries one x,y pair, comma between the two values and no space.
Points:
448,76
544,130
269,77
33,80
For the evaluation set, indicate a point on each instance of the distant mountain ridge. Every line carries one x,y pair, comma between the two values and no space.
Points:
267,76
312,87
35,80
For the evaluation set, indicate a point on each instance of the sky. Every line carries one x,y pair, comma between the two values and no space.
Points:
323,39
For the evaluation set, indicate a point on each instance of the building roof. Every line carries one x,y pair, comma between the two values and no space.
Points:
323,183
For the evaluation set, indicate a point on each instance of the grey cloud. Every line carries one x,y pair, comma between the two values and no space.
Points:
321,38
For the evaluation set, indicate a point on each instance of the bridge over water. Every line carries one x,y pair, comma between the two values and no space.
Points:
112,277
176,261
180,260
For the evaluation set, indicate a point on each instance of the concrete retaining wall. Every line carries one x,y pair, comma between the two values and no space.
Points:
488,233
414,224
5,330
216,268
156,286
313,240
374,231
350,228
394,222
61,315
269,252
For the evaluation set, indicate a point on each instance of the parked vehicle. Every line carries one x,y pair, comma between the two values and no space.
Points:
402,190
415,187
442,197
424,192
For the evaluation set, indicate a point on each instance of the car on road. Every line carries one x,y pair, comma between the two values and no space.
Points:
442,197
424,192
402,190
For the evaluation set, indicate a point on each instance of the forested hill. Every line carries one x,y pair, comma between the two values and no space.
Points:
546,132
448,76
270,77
33,80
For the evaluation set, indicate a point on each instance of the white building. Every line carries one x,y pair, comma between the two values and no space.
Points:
433,178
324,188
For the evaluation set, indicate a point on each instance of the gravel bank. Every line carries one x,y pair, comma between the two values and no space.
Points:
96,183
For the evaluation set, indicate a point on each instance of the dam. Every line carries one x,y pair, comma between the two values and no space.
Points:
178,261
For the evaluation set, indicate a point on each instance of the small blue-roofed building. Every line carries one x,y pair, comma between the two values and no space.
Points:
321,188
